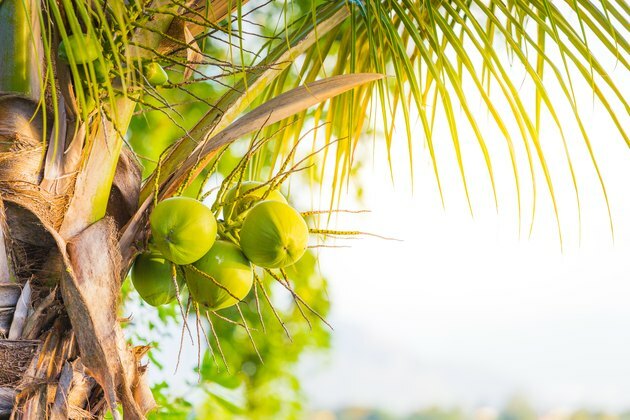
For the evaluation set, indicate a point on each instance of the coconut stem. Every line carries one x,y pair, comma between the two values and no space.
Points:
205,334
273,309
249,334
216,338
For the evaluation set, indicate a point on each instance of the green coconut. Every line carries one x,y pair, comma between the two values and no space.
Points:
249,192
226,264
183,229
153,280
274,235
155,74
84,49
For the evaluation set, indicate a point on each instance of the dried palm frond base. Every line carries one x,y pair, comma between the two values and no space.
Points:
67,356
15,356
22,138
62,353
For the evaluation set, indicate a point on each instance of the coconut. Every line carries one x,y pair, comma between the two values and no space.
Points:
183,229
153,279
83,47
274,235
155,74
227,277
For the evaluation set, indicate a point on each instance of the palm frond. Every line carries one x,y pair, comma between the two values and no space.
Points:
445,56
248,90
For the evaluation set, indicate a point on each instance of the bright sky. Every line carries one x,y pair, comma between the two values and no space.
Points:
472,310
466,312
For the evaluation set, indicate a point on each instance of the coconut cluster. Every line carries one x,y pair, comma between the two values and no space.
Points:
218,269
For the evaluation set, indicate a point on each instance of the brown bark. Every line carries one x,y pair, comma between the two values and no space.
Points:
62,352
15,356
69,355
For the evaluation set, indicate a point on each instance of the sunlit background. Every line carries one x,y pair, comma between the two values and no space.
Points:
457,310
472,311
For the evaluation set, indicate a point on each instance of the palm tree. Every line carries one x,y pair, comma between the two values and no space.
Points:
74,203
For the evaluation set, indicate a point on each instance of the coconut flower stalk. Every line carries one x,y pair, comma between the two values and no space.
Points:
74,208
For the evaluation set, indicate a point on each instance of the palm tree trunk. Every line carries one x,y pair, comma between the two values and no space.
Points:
62,352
